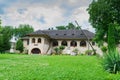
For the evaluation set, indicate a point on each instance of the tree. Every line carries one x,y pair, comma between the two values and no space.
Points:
102,14
8,31
61,28
1,44
19,45
68,27
111,38
22,30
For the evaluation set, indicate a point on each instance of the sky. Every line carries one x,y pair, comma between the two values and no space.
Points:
44,14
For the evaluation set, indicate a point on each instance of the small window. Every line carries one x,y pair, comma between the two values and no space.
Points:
28,42
93,43
64,34
33,40
81,34
73,34
39,40
56,34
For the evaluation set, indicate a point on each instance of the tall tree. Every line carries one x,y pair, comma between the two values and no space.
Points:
23,29
19,45
102,14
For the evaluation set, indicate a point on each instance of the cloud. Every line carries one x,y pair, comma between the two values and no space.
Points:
39,17
42,14
82,17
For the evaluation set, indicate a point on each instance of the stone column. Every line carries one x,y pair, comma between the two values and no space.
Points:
43,43
59,43
78,44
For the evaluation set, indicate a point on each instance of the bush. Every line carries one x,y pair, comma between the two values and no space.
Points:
104,49
111,62
88,52
56,50
59,49
76,51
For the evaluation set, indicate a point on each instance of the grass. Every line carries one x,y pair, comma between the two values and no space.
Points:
36,67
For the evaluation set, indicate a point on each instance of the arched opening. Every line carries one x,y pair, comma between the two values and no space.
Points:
83,43
35,51
55,43
64,43
39,40
33,40
73,43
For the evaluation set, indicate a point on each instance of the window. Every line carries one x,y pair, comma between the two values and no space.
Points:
55,43
33,40
39,40
83,43
93,43
28,42
73,43
64,43
73,34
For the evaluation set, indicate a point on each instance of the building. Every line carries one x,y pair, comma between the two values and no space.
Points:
44,41
13,44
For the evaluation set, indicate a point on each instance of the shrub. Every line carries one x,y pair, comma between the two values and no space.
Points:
76,51
104,49
111,62
61,47
56,50
88,52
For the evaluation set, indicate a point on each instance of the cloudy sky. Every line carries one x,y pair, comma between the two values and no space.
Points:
43,14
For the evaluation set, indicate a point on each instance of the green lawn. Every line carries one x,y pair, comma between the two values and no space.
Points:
38,67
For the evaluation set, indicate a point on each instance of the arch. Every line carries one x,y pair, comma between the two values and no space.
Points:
83,43
55,43
64,43
36,51
73,43
39,40
33,40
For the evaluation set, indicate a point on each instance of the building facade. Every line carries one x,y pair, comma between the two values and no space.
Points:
44,41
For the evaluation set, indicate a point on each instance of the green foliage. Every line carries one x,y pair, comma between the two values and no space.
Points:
88,52
61,28
76,51
19,45
56,50
5,35
104,49
22,30
1,44
111,37
111,62
67,27
8,31
102,14
59,49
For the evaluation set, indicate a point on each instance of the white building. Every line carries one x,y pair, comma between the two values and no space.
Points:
44,41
